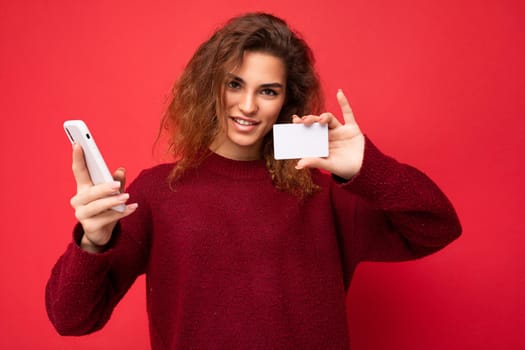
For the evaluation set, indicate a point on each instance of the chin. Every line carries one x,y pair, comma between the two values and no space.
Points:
245,141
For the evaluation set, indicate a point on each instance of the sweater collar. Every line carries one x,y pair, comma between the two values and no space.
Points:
238,169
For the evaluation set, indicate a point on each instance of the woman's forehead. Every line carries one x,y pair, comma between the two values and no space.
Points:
260,67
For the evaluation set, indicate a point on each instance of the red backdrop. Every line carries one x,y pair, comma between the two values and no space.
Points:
438,84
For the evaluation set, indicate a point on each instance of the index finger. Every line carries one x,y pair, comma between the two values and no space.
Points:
80,170
348,115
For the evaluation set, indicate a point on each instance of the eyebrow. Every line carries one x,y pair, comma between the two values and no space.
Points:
266,85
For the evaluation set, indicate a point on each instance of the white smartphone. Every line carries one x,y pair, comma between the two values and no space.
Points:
78,132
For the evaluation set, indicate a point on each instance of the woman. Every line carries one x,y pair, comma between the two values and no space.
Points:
241,250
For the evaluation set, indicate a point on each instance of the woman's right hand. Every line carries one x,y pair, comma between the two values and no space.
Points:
93,203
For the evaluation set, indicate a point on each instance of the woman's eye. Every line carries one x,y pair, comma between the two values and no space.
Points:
269,92
233,84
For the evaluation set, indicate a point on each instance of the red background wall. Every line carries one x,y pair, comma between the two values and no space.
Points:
438,84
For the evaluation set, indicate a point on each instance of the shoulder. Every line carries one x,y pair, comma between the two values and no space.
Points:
152,179
160,170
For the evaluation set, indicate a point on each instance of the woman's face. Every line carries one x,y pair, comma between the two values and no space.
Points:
254,95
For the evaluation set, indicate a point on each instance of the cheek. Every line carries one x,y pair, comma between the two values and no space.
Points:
229,100
276,110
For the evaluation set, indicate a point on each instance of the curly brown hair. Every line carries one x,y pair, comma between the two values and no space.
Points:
191,119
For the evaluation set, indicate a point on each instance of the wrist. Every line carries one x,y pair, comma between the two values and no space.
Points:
89,246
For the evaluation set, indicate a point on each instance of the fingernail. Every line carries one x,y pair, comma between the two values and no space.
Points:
133,206
115,185
123,197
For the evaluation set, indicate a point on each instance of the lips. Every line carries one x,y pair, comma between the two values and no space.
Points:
244,121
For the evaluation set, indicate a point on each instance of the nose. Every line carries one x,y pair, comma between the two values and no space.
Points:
248,104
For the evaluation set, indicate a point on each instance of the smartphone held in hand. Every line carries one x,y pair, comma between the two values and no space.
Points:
78,132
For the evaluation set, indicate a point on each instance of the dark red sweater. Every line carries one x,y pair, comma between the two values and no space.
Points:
233,263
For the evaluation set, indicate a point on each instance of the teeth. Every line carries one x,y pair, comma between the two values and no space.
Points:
243,122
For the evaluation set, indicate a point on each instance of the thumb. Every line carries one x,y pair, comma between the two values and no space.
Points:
311,163
80,169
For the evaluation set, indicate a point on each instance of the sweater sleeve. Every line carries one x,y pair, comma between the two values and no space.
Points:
398,213
84,288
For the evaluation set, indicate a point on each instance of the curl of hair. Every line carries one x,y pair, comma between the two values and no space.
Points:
192,117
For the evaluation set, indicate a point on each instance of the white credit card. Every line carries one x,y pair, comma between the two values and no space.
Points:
295,141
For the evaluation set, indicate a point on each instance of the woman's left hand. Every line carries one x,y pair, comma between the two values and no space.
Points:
346,142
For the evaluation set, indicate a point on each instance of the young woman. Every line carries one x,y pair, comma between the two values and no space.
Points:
241,250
